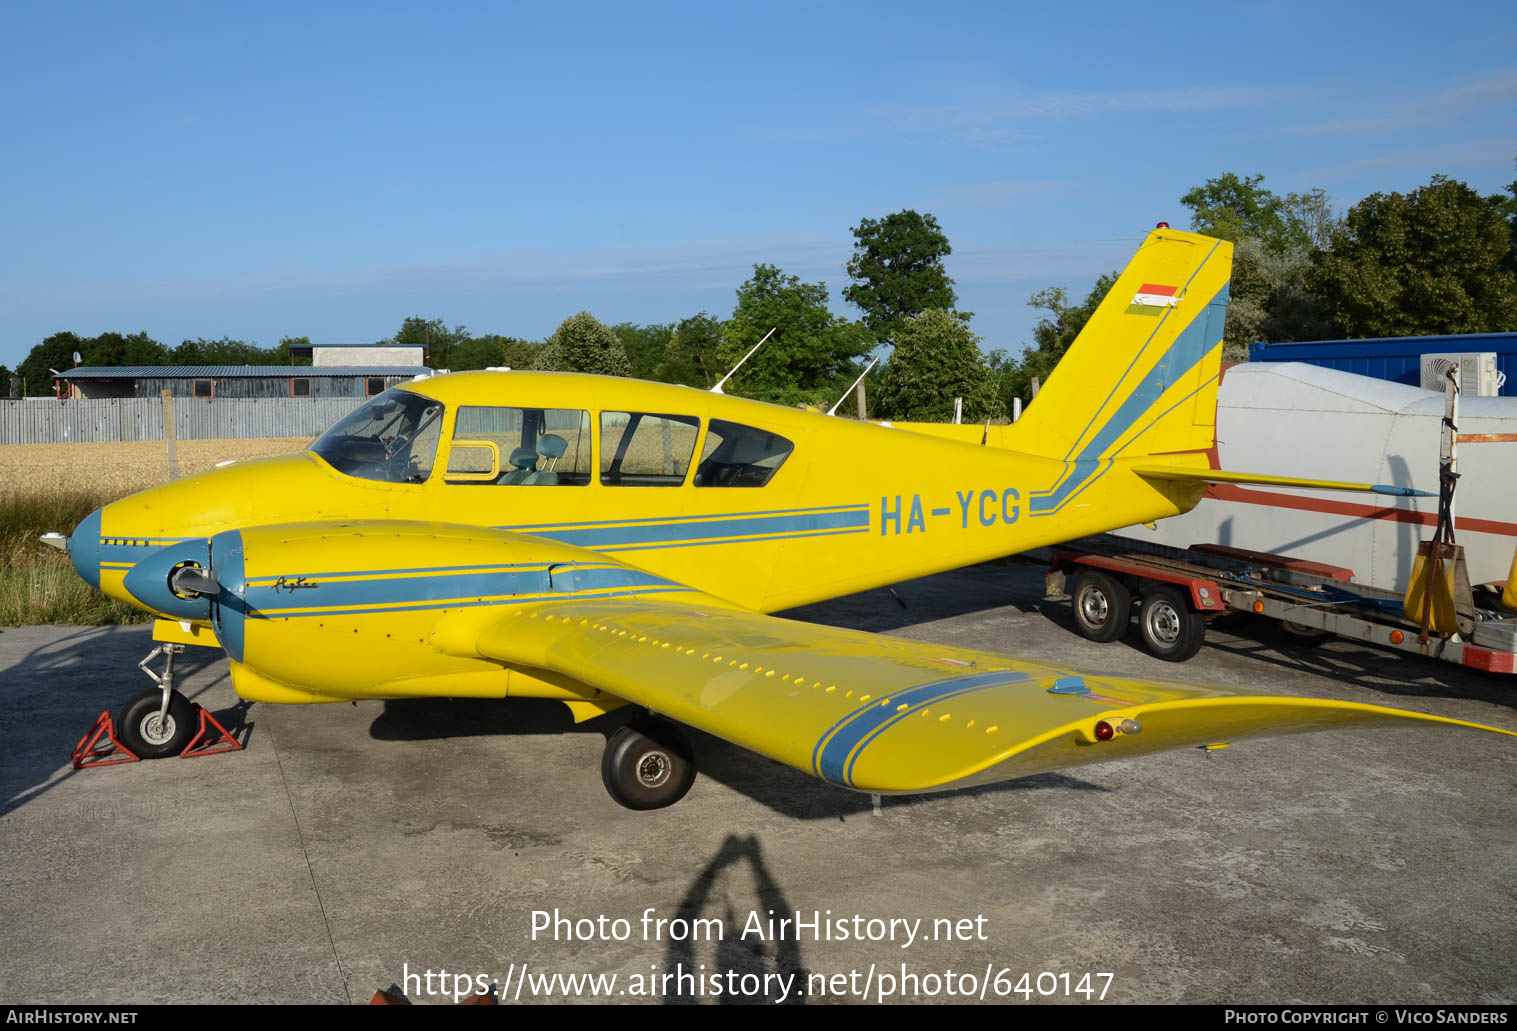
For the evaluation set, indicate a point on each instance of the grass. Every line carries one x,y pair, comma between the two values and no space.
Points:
52,487
38,583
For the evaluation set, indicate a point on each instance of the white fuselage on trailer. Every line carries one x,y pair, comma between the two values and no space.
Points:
1301,420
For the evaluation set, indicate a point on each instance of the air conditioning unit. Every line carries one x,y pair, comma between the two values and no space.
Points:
1477,372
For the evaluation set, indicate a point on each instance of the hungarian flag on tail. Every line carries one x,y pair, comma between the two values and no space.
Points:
1153,299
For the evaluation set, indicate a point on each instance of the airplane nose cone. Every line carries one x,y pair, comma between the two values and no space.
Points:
84,549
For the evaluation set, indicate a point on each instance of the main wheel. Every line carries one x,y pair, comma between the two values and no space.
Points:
648,764
1102,606
140,729
1172,630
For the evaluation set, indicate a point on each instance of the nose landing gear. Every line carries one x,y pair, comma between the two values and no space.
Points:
159,721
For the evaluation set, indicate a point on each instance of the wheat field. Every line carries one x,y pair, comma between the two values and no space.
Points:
115,469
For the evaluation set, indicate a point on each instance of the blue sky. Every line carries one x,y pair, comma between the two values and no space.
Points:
327,169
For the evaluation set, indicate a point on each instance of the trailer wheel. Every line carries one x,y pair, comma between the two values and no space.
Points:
1103,606
1172,630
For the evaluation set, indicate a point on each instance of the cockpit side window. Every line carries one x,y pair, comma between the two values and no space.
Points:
643,449
740,456
538,447
392,438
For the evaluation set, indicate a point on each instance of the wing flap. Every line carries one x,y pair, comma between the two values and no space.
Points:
872,713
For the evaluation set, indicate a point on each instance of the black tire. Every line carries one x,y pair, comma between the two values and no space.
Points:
648,764
1103,606
1171,629
1306,635
137,724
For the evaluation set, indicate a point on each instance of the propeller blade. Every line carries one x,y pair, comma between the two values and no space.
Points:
192,579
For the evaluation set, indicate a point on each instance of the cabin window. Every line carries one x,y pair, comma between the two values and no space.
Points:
393,438
374,385
300,387
643,449
537,447
205,388
740,456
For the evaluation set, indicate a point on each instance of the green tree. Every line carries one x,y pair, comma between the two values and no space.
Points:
1275,238
1507,204
123,349
5,381
56,352
582,343
1269,299
693,354
287,344
897,270
225,351
435,335
644,346
812,352
1432,261
1234,207
493,351
936,359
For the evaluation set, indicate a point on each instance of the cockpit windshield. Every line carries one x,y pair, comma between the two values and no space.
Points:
392,438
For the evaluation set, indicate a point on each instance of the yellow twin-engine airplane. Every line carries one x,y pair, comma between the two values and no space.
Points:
606,541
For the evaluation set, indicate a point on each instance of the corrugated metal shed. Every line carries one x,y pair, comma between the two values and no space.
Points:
1397,359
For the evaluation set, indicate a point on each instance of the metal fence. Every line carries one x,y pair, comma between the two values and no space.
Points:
49,421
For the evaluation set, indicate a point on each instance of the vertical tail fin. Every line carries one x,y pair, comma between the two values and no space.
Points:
1141,378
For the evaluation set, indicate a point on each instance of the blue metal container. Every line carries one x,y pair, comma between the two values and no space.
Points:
1398,359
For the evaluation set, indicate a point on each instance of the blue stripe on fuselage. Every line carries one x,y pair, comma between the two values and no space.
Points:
642,533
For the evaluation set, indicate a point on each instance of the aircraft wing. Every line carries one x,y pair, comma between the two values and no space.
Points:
872,713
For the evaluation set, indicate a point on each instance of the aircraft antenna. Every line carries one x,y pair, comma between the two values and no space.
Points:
834,408
718,388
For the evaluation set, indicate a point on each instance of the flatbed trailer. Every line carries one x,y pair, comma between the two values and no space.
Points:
1174,592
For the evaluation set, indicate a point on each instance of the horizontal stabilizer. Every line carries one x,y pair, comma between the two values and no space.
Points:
1183,475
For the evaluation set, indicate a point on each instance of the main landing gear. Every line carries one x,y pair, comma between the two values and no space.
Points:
648,764
159,721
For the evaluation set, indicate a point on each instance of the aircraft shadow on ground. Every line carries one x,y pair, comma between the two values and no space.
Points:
36,744
787,791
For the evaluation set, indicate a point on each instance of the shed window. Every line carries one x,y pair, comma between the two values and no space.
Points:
300,387
205,388
376,385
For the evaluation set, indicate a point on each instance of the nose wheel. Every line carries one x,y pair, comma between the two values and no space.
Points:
648,764
159,721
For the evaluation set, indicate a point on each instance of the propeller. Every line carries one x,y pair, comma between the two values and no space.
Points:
194,580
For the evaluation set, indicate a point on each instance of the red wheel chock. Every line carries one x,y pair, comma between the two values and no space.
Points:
91,751
197,747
